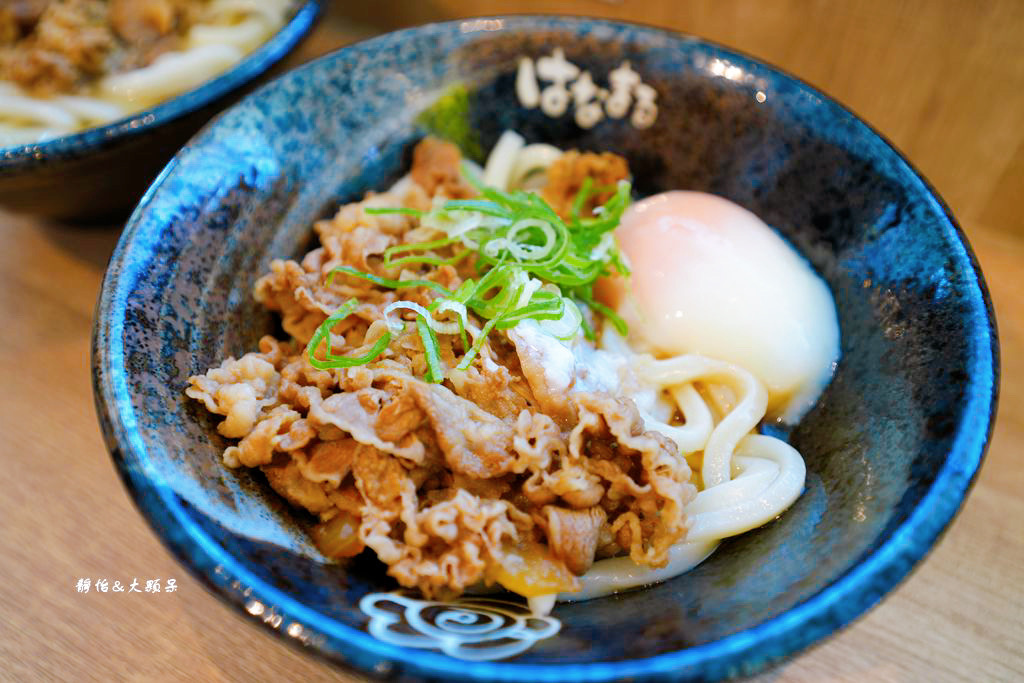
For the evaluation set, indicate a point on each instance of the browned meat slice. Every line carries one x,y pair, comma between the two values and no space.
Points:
279,431
549,367
439,546
398,418
142,21
474,442
380,478
280,290
496,390
572,535
10,30
566,176
240,390
69,42
26,12
436,167
328,461
19,17
150,27
40,71
287,480
357,413
648,479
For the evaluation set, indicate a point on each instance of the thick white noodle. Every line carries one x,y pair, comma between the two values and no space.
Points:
26,135
229,30
226,11
170,74
532,158
621,573
32,111
542,604
745,415
498,169
90,109
770,477
693,434
25,119
246,35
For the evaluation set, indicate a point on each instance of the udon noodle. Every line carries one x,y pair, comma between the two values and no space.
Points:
544,446
77,67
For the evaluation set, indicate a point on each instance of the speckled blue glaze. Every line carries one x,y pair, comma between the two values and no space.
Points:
891,448
100,173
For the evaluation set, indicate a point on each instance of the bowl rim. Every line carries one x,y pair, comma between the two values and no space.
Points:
847,597
14,158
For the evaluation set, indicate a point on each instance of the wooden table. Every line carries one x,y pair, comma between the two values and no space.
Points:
944,80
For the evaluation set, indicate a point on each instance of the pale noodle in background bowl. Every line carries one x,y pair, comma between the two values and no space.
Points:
227,30
89,156
890,449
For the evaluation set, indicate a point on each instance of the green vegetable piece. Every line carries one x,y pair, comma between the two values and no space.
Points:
331,360
432,349
449,118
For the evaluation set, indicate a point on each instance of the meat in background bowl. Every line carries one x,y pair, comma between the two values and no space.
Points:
891,447
101,172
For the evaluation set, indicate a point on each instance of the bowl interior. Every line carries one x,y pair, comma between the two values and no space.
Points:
902,426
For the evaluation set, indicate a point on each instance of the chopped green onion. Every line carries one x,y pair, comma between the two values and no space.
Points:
567,325
459,308
480,206
546,310
477,345
390,262
581,199
384,210
432,352
385,282
518,243
588,331
617,322
332,361
436,325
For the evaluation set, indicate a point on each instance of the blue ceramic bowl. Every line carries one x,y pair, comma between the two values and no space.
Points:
891,448
100,173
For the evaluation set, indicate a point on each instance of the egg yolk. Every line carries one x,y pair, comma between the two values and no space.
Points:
709,277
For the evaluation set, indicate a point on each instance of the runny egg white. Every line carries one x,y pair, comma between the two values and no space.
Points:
709,277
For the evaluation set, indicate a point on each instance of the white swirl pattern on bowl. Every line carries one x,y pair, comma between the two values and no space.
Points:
470,628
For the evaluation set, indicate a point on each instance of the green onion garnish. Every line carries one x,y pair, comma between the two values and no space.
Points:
431,349
332,360
391,262
384,282
533,265
384,210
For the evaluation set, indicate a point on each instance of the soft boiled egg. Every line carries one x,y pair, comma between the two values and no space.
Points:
710,278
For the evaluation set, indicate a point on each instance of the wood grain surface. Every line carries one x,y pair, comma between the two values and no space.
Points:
944,80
